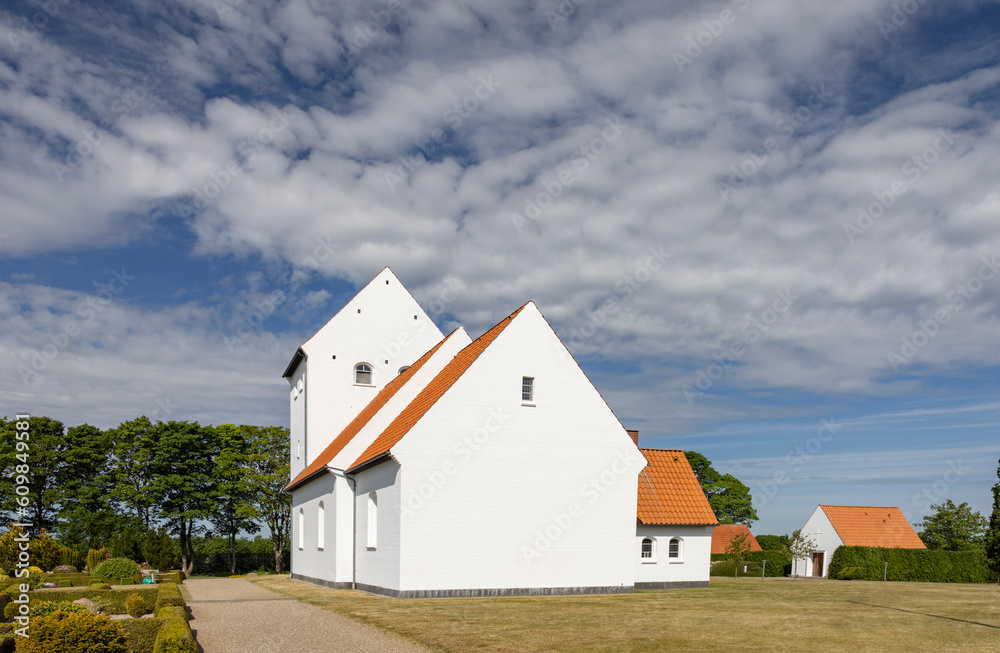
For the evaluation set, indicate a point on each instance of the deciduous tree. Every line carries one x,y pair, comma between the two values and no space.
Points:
953,528
993,533
801,546
730,499
268,469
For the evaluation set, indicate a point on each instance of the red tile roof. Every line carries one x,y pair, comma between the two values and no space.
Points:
430,394
724,534
369,411
873,526
669,492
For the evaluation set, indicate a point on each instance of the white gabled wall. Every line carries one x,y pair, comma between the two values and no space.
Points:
378,567
497,494
297,430
822,532
692,566
382,326
307,559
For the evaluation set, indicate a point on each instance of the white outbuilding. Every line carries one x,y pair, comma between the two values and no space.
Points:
832,526
426,465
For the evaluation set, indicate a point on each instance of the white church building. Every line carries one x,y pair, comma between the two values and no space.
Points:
425,465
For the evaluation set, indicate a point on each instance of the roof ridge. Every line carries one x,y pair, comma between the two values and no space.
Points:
365,416
433,391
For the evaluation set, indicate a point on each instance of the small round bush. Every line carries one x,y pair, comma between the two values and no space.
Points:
74,632
11,610
35,570
116,568
135,605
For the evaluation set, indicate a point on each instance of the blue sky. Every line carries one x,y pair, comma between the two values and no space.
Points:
769,232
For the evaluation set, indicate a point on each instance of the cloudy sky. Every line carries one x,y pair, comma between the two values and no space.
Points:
768,230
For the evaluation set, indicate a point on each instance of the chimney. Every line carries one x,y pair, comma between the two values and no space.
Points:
634,435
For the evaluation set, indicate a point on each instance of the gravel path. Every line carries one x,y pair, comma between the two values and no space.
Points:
232,615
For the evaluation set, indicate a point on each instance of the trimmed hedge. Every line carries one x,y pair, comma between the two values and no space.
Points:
169,595
920,565
852,573
175,634
141,633
77,632
726,568
777,561
112,600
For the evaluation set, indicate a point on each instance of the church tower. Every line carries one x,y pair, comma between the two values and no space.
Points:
336,372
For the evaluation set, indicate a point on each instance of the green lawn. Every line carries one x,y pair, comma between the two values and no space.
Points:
732,615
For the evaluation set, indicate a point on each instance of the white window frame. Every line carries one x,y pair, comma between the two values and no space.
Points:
529,383
651,560
372,542
370,372
679,558
302,529
320,526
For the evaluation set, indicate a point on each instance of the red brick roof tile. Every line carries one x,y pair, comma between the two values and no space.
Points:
873,526
669,492
724,534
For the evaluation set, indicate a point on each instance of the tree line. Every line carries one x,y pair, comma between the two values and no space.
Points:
87,486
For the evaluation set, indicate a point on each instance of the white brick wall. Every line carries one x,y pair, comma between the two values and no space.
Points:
693,565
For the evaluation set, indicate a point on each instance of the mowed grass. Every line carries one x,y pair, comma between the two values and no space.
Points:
732,615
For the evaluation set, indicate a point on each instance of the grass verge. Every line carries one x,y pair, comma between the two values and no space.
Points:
732,615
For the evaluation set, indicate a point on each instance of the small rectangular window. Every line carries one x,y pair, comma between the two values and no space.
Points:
527,388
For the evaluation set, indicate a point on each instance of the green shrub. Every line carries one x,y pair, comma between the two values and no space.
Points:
116,568
852,573
99,584
919,565
45,608
175,634
777,561
74,632
169,595
10,610
141,633
135,605
95,557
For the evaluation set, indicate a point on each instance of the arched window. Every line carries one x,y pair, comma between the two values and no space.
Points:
302,529
372,520
403,369
674,548
363,374
320,530
647,548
